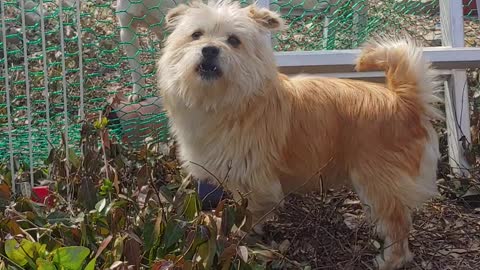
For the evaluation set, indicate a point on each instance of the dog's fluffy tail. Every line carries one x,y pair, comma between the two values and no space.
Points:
407,74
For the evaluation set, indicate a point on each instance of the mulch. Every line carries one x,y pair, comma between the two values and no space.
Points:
332,232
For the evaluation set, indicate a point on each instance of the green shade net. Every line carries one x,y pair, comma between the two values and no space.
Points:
48,87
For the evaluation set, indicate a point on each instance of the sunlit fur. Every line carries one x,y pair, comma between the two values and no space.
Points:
269,134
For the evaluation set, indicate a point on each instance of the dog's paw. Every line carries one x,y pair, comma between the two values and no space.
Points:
391,263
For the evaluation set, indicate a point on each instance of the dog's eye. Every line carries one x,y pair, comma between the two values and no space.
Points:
233,41
196,35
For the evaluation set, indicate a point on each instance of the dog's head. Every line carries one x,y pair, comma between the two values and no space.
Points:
218,54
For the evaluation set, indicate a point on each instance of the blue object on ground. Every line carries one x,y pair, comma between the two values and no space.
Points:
209,194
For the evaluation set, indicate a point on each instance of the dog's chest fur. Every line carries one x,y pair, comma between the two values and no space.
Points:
242,147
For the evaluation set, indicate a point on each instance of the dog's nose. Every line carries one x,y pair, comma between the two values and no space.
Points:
210,51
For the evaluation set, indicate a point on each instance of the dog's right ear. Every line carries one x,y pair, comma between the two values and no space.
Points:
174,14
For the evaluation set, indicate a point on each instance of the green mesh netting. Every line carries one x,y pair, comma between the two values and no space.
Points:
56,79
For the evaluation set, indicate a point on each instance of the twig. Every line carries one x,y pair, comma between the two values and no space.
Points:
190,246
206,170
157,193
104,151
220,183
24,218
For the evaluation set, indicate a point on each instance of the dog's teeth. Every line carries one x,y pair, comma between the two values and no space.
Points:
214,68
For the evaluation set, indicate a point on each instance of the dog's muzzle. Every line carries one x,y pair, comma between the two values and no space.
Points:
209,69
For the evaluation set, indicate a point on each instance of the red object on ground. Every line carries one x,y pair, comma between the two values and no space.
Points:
470,7
42,195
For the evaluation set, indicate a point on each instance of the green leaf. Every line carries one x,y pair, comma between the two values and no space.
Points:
173,233
243,265
147,234
207,250
228,220
59,217
119,203
91,264
45,265
73,158
51,157
191,206
41,249
70,258
100,205
167,194
101,124
16,251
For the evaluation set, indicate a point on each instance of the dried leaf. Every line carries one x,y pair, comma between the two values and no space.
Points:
163,265
283,248
5,193
118,248
133,252
266,254
116,182
219,208
117,264
13,227
103,245
228,252
351,202
352,221
242,252
143,176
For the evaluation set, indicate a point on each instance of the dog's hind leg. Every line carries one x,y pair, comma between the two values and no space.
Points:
389,212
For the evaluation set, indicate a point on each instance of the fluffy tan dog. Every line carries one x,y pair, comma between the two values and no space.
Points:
234,114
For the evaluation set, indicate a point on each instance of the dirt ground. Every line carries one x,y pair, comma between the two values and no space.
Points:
331,232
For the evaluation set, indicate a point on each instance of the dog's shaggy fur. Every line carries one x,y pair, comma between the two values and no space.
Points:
233,113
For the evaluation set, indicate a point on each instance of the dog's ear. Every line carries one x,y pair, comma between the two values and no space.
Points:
266,18
174,14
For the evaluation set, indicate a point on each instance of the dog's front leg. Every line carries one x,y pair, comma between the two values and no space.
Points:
263,200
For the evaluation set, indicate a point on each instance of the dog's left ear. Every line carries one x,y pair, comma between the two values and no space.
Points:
266,18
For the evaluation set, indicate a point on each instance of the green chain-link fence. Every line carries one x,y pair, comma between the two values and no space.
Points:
60,61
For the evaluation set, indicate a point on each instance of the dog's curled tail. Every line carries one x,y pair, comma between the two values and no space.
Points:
407,73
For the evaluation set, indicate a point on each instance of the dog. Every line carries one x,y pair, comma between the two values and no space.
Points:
236,117
150,13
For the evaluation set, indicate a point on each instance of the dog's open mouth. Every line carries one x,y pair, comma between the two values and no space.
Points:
209,71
